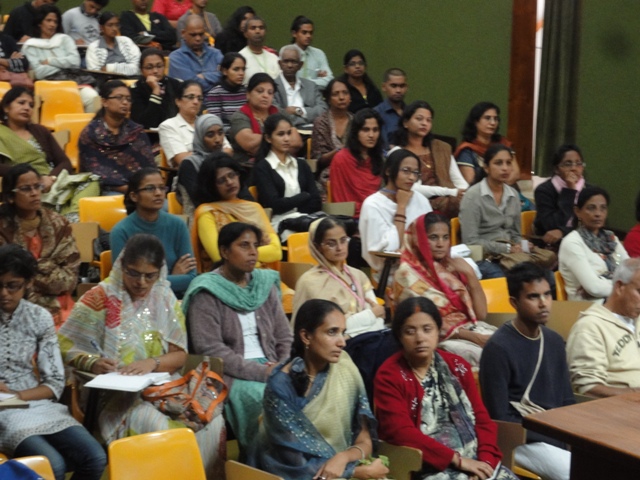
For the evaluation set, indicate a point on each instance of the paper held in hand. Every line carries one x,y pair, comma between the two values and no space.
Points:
127,383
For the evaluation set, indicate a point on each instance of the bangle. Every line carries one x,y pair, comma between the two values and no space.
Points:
361,451
399,215
456,460
157,360
508,248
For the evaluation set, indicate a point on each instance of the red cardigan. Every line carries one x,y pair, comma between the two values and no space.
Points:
351,181
398,400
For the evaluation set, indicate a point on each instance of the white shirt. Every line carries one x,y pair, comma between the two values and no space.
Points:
294,97
252,347
265,62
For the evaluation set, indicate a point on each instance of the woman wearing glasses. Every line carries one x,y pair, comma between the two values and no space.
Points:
113,53
332,279
364,92
144,200
132,323
112,146
557,197
45,234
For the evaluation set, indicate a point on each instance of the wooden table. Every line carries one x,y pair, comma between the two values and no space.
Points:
389,259
604,435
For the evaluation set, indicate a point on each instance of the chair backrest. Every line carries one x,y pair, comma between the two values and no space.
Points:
164,455
495,289
57,97
239,471
253,190
39,464
455,231
340,208
329,197
564,315
402,460
510,436
4,88
526,223
290,272
84,235
106,262
107,210
74,123
175,206
298,248
561,292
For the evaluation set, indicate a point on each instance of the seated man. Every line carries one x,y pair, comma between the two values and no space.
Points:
212,25
143,27
315,64
603,348
257,56
21,23
10,57
516,369
81,23
299,97
194,60
394,86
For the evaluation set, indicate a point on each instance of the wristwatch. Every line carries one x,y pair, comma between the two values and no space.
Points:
299,111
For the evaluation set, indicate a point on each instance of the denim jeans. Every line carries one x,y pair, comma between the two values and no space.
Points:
72,449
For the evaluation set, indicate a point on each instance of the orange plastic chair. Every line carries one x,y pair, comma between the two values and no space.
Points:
57,97
4,88
74,123
495,289
106,262
329,197
298,248
107,210
561,292
164,455
253,190
175,207
39,464
526,223
455,231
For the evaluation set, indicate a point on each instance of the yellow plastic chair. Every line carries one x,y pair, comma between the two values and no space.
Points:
526,223
253,190
164,455
74,123
105,264
39,464
455,231
107,210
495,289
239,471
57,97
298,248
4,88
129,82
175,207
561,292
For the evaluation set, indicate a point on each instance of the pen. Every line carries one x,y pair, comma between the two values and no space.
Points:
95,345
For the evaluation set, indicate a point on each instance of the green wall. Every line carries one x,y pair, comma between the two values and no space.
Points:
456,52
609,102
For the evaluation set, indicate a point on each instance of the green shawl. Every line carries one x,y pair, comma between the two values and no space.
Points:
16,151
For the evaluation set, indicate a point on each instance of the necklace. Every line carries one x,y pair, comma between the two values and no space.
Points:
537,337
417,373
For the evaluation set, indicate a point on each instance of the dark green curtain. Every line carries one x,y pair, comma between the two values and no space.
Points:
558,98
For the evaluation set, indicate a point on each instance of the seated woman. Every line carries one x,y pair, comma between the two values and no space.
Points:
356,170
46,235
441,181
112,146
235,313
113,53
632,240
384,214
232,38
490,216
556,198
176,134
230,94
363,91
589,255
247,123
285,184
132,323
54,56
144,201
427,399
332,279
222,199
317,421
153,96
46,427
428,270
24,142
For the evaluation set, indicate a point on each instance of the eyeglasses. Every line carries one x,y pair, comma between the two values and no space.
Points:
158,66
227,177
121,98
570,164
38,187
193,97
333,244
12,287
408,171
357,63
153,189
150,277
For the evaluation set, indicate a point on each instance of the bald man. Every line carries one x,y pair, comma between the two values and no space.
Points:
195,60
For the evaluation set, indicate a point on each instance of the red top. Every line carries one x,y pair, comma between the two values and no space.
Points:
171,9
398,403
352,181
632,241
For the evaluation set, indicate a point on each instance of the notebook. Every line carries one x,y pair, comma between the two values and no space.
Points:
127,383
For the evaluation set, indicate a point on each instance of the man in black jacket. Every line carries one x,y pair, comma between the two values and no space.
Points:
21,23
143,27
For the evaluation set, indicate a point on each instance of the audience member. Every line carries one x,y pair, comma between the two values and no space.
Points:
386,213
556,198
132,323
632,239
32,370
144,200
176,134
363,91
441,181
81,23
317,421
394,86
427,399
356,170
490,217
590,254
258,57
143,27
44,233
428,270
171,9
235,313
12,61
232,38
524,370
299,97
212,25
228,96
154,95
603,348
194,60
315,66
21,25
113,53
112,146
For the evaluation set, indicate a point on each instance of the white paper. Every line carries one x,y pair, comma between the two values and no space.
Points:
7,396
127,383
